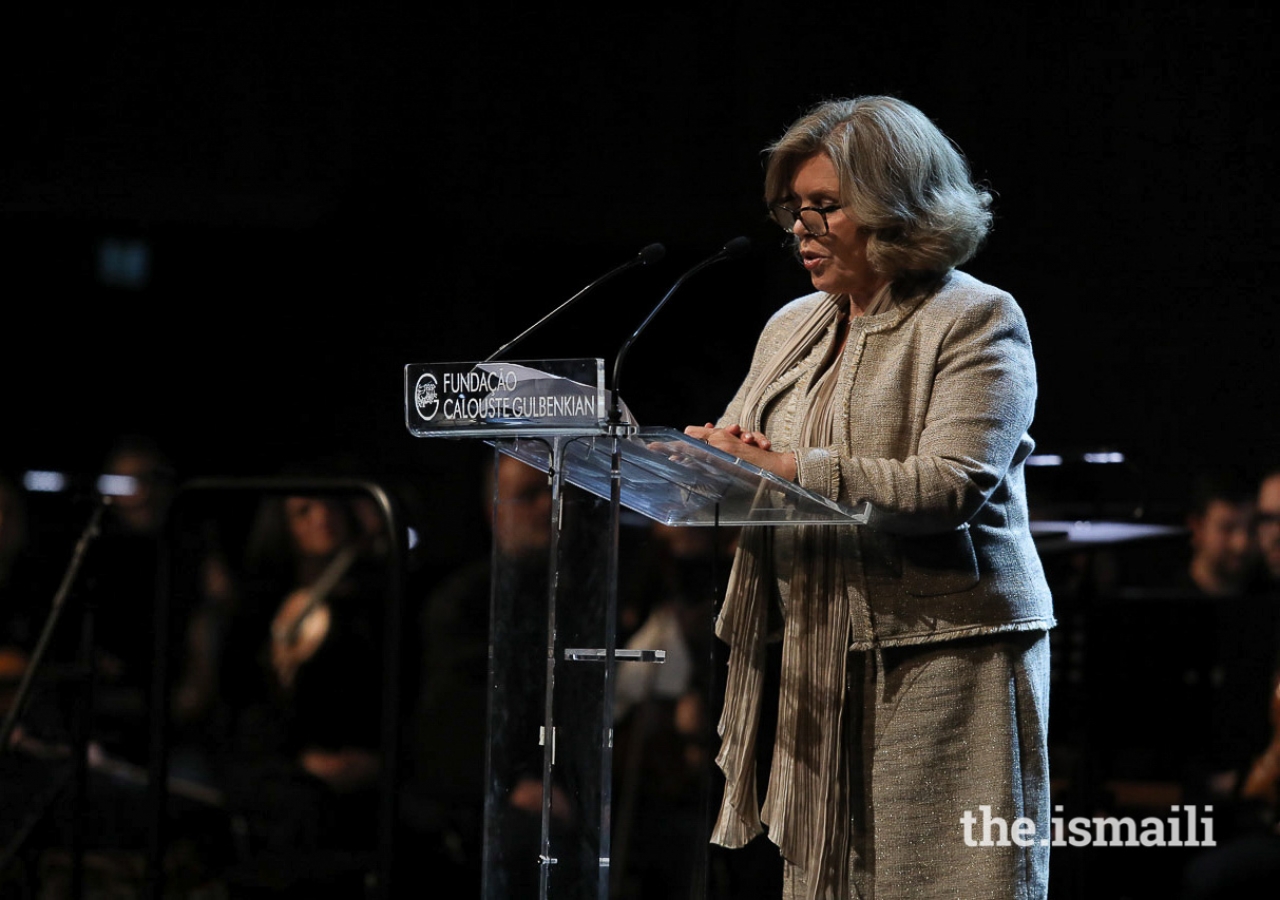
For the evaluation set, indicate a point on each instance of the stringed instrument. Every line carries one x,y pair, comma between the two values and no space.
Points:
302,623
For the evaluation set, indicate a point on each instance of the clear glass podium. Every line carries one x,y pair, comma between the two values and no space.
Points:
553,624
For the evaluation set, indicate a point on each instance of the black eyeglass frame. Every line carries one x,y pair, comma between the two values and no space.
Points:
798,215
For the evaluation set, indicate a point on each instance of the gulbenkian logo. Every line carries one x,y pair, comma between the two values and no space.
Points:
426,397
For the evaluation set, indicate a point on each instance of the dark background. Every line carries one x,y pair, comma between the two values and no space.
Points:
329,193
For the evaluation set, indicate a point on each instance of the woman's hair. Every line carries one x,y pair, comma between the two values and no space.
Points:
270,550
901,177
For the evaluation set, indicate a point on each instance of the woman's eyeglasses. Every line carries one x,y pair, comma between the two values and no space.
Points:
813,218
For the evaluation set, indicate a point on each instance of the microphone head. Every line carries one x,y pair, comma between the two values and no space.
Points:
737,248
652,254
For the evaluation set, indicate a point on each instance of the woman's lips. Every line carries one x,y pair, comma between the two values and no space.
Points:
811,260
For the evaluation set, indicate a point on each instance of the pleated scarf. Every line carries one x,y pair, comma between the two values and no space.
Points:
805,808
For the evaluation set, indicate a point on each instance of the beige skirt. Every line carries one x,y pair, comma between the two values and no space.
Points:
939,735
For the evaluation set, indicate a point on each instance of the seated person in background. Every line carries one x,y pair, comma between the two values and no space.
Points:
1268,529
1246,862
663,743
1240,620
444,801
18,620
1262,782
1222,548
119,580
146,481
303,672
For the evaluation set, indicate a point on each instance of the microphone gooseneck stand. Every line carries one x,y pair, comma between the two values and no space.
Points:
649,254
734,249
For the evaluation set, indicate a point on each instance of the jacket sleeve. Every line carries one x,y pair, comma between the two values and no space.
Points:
981,399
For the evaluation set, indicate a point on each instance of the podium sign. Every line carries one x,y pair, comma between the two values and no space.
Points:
485,399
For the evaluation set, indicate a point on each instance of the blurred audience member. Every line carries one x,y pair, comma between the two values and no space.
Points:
205,596
302,675
1221,526
19,627
1268,519
142,479
663,743
1237,629
447,788
119,584
1262,782
1246,863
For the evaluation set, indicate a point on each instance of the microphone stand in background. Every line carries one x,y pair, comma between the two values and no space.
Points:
81,736
91,532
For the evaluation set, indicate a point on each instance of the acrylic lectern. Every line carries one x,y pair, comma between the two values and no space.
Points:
553,626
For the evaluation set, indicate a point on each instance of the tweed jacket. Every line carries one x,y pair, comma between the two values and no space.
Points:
934,399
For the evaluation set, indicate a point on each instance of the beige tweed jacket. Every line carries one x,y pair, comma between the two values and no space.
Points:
934,400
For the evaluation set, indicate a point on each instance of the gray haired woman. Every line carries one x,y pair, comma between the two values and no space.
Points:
914,665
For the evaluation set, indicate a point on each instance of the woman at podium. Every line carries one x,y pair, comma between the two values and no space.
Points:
913,674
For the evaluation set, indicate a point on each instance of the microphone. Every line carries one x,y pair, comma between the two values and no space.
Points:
649,254
734,249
